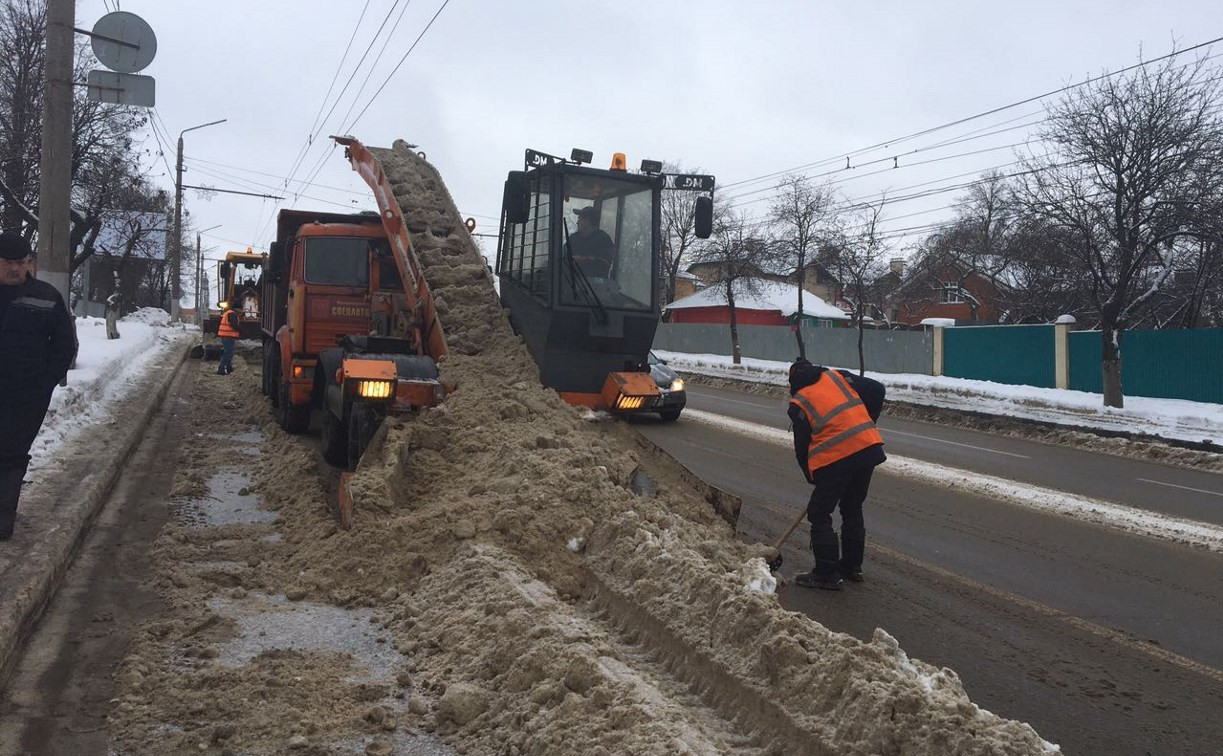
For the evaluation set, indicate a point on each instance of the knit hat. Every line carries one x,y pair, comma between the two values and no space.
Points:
13,247
803,374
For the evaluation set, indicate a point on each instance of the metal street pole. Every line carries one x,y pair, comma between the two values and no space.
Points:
55,189
176,248
200,299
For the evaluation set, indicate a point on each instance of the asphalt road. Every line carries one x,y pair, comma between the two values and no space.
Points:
1106,642
1175,491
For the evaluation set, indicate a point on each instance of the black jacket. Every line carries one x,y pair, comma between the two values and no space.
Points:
871,392
37,336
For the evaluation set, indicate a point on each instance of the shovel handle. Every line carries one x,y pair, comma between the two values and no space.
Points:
781,541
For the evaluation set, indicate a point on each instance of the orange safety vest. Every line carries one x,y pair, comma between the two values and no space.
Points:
840,424
224,329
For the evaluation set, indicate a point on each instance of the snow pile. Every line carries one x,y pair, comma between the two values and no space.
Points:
463,530
148,316
1168,418
105,372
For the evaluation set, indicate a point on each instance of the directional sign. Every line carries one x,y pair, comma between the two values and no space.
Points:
121,88
124,42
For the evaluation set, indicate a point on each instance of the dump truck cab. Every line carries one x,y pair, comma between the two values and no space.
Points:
340,331
239,286
579,268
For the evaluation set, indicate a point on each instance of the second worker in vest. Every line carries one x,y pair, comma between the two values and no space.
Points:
227,331
838,447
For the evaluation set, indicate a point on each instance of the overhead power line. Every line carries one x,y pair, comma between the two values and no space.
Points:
968,119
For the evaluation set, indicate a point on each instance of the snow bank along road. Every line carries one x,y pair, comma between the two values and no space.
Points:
1091,619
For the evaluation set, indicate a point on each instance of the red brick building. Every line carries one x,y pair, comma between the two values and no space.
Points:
943,291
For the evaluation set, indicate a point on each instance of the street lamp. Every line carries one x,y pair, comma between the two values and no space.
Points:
200,299
177,257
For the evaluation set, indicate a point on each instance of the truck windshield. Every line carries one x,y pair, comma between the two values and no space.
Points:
337,261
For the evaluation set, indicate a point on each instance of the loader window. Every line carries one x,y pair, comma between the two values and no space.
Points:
337,261
608,254
525,251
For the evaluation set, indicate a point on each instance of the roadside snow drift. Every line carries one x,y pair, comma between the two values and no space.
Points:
104,373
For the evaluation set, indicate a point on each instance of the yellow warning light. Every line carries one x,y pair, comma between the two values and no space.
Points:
630,402
619,162
376,389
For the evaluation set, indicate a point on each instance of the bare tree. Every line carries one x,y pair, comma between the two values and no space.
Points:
1133,162
801,213
858,259
740,248
678,212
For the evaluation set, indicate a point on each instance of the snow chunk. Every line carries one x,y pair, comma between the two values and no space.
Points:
755,577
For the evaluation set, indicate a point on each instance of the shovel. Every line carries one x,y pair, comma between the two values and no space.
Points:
775,562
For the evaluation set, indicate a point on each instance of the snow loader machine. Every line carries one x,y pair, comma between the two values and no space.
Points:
588,315
239,283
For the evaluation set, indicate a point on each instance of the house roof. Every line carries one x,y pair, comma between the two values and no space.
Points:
767,295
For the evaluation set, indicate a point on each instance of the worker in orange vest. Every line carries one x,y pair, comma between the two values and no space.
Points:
833,416
227,331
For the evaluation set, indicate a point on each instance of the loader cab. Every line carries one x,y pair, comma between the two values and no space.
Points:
578,264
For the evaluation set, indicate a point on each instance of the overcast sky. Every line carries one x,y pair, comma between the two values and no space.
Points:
740,89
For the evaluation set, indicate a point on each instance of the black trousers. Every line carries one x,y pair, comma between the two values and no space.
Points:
843,485
21,415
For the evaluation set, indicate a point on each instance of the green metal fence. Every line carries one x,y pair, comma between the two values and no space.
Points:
1183,364
1019,355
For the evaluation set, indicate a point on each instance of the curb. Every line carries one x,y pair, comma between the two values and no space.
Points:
31,584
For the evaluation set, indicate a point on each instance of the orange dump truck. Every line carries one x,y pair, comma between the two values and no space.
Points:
349,327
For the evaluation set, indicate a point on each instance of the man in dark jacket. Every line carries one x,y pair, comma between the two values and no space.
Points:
837,445
37,346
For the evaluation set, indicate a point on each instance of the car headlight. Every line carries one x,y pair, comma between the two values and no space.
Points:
677,384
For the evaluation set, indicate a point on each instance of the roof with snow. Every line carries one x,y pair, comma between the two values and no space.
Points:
762,295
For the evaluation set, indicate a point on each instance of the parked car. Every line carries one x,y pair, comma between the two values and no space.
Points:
672,387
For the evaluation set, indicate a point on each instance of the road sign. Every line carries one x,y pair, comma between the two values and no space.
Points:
124,42
121,88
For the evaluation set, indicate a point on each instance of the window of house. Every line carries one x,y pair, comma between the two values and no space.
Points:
952,293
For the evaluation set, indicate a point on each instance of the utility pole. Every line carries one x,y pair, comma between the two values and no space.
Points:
176,244
201,298
55,188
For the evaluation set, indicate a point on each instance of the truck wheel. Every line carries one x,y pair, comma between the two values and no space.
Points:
335,439
669,416
292,419
265,384
363,422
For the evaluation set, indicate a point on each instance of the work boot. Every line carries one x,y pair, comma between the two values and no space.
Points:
814,579
10,492
853,576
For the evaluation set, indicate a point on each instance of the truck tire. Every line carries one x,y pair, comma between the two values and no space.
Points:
335,439
363,423
292,419
265,383
669,416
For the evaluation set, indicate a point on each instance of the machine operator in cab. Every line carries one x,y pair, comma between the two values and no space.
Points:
592,249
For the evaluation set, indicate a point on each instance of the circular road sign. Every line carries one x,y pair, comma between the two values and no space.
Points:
139,43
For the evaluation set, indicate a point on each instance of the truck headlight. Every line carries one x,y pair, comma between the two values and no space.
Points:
677,384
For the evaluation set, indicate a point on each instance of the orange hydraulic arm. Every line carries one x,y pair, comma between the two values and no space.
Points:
416,289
